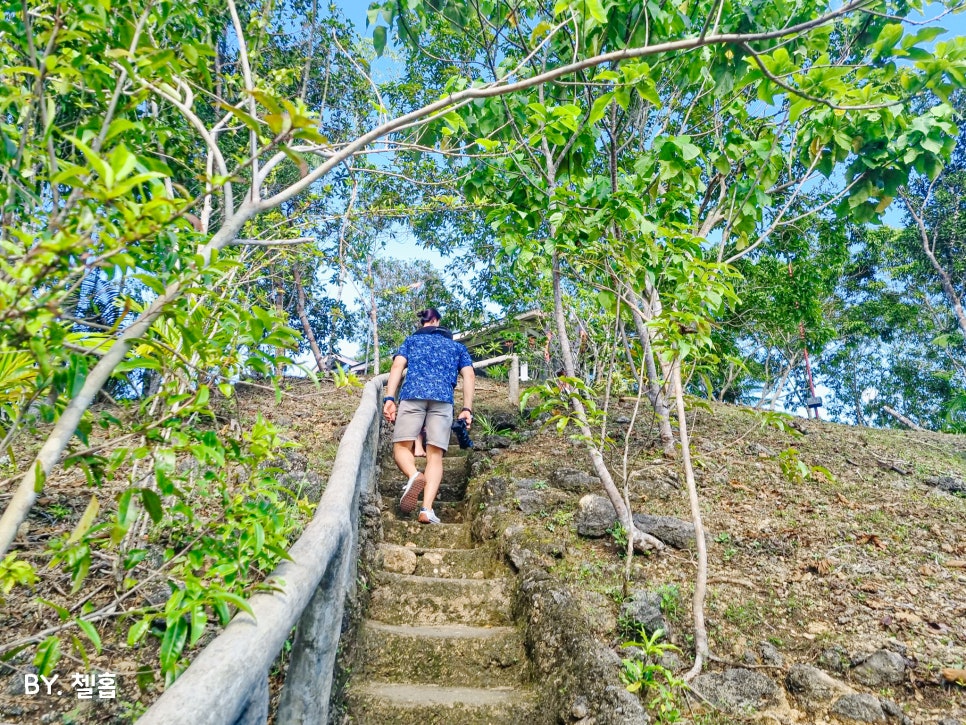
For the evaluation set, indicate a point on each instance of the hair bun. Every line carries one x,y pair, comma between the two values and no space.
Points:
430,313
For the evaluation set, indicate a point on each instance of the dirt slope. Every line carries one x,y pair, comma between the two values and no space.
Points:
312,417
827,542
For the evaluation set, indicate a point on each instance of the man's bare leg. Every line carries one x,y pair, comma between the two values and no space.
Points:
434,474
402,453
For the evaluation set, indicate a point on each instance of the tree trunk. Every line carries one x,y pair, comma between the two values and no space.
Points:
33,480
792,363
701,651
944,278
280,311
374,319
902,419
857,398
306,327
627,350
654,393
641,540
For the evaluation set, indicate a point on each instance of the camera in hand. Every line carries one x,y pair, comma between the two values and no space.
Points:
462,434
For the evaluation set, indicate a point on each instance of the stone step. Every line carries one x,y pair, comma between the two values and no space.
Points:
436,536
422,600
442,655
454,451
451,512
385,703
451,488
445,563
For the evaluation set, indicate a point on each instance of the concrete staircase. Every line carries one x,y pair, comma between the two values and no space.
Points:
439,645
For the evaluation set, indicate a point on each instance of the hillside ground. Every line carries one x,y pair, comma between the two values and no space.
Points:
312,417
826,541
822,539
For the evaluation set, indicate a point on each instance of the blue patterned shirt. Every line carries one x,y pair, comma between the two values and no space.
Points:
434,361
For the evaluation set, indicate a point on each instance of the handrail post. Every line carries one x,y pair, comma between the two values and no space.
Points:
308,683
256,710
514,380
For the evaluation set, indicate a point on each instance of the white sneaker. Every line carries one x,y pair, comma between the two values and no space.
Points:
410,494
427,516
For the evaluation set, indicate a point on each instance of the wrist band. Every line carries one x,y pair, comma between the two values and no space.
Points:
389,399
468,410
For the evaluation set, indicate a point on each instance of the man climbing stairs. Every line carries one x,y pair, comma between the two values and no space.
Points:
438,644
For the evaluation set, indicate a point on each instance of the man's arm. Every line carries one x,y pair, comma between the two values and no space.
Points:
469,387
392,386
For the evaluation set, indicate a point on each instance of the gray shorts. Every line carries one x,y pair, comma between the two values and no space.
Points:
413,415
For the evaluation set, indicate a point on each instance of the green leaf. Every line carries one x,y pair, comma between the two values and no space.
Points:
238,601
40,477
221,609
125,514
122,162
488,144
689,151
102,168
81,567
279,552
86,521
11,653
119,190
151,282
91,633
888,37
152,504
250,121
137,631
138,363
144,678
203,395
134,557
599,108
925,35
199,620
62,612
48,654
172,644
596,10
379,39
259,537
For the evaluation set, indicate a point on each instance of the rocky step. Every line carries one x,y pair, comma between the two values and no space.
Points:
451,488
448,655
445,563
415,704
428,536
423,600
454,451
451,512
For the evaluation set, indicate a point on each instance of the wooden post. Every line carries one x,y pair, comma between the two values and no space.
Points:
515,379
308,683
256,711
